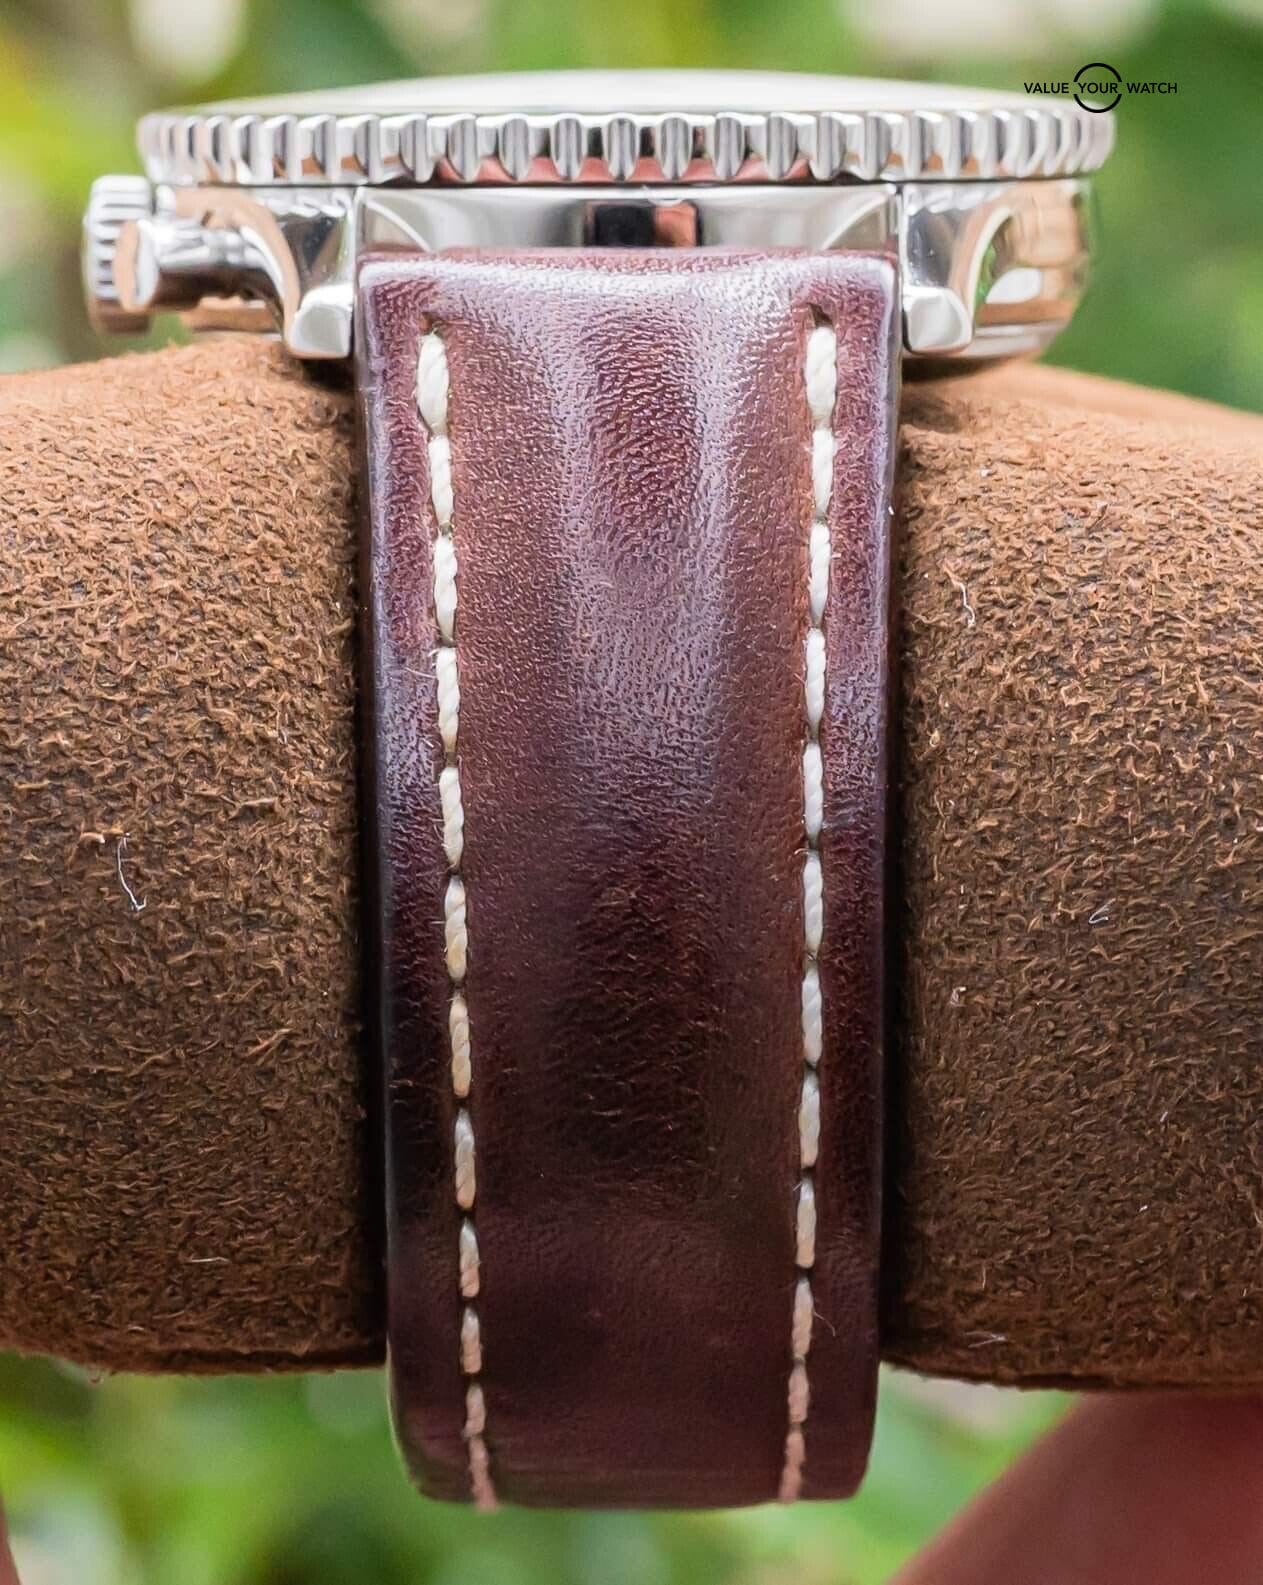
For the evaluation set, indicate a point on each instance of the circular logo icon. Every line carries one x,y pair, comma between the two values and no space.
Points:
1100,82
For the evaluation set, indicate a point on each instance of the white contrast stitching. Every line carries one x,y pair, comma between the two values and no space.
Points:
433,388
820,375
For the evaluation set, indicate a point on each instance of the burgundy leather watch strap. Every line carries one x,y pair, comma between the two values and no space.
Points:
627,586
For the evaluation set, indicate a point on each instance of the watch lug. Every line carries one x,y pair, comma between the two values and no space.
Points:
292,249
990,268
320,325
936,321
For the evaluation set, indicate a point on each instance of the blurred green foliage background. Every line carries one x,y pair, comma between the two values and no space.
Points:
293,1481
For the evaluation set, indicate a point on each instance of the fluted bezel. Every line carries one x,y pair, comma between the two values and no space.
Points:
1011,138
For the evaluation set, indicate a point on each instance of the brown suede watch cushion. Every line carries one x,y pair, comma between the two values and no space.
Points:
187,1174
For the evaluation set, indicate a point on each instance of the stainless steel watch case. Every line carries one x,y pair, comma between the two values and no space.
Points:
985,199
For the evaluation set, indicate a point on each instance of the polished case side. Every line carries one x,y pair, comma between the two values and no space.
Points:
988,268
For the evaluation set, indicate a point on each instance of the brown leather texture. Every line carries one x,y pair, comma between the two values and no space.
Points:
630,448
187,1178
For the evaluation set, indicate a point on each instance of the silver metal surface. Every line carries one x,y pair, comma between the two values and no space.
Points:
988,269
992,261
595,127
173,263
991,269
114,202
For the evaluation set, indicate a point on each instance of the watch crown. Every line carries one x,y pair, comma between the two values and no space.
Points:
113,202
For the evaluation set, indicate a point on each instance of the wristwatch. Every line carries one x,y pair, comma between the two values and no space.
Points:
627,348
